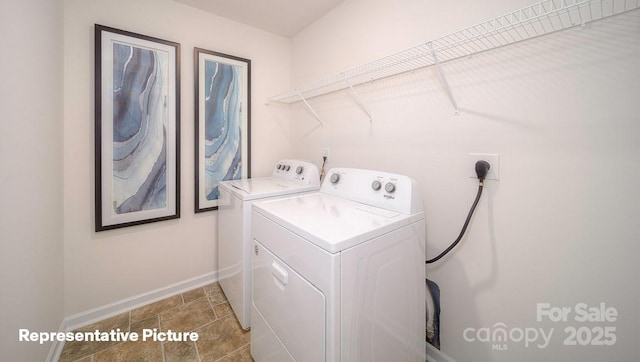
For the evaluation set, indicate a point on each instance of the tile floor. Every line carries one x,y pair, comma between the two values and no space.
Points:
203,310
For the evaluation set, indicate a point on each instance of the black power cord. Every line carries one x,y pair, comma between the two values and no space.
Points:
482,168
322,171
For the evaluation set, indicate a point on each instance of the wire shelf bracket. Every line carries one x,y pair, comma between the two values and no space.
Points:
358,100
530,22
309,107
443,79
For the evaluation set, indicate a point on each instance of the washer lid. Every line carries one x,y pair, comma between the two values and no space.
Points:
331,222
256,188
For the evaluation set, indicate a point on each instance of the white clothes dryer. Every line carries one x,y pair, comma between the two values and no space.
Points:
234,225
338,274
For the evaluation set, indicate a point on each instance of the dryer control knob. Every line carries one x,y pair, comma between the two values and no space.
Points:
376,185
299,170
389,187
335,178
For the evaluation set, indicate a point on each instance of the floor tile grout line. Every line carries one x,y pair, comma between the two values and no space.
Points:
232,352
197,351
212,308
205,325
191,302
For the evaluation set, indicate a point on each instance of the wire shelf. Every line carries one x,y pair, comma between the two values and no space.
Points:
532,21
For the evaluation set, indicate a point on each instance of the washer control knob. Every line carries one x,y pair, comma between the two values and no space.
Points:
299,170
287,168
389,187
376,185
335,178
279,166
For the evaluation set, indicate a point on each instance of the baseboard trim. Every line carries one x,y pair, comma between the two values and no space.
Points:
112,309
56,347
90,316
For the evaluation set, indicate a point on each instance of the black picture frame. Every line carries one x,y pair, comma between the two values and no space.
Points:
137,129
222,85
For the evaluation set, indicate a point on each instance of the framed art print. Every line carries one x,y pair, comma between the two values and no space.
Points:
222,127
137,129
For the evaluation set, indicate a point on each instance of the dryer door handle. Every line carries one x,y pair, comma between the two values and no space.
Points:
280,275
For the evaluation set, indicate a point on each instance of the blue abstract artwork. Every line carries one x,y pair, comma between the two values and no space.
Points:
139,129
222,121
222,124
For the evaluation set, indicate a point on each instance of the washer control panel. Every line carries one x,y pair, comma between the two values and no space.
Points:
382,189
303,172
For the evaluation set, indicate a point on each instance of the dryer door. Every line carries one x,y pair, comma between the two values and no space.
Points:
288,307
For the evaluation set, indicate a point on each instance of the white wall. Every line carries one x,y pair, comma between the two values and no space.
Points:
562,111
31,242
110,266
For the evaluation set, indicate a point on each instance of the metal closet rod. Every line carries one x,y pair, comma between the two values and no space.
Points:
526,23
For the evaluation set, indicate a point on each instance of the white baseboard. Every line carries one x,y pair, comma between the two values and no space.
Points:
436,355
112,309
56,347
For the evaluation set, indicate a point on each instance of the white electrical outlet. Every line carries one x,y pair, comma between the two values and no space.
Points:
492,158
325,153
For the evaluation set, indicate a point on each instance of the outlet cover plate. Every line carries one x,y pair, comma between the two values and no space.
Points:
492,158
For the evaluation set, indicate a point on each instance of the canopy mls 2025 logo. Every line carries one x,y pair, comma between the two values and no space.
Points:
581,332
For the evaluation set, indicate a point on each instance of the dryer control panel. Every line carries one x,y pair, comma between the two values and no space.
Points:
376,188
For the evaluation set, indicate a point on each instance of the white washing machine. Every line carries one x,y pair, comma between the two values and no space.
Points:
338,274
234,225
